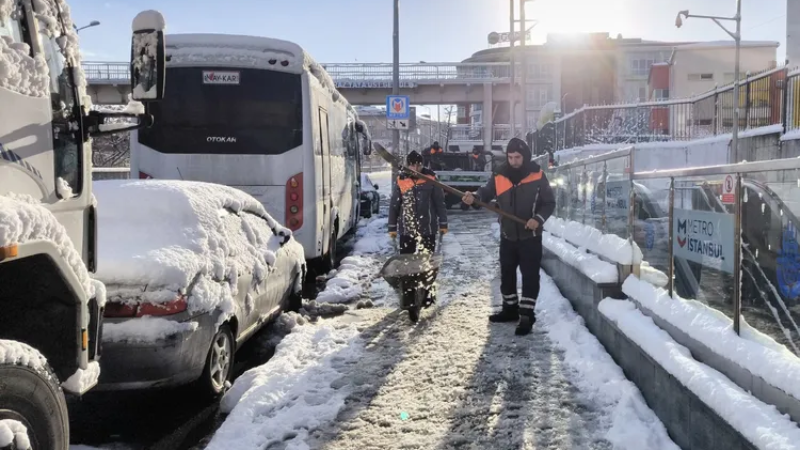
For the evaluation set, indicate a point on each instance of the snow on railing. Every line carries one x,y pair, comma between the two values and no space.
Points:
114,72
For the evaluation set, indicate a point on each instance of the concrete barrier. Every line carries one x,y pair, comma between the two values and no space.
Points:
691,423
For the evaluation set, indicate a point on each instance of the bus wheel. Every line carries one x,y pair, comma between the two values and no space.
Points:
330,259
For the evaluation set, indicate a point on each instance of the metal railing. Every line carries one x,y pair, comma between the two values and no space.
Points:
500,132
725,235
110,173
119,72
770,97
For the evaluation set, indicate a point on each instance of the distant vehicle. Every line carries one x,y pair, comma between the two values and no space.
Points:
260,115
370,198
192,271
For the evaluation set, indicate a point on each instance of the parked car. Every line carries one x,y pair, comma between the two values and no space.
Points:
370,199
192,271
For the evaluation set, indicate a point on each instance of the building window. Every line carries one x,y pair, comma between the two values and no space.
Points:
640,62
539,71
660,95
642,94
701,77
538,96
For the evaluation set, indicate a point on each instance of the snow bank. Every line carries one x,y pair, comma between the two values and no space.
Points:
631,423
351,279
145,329
753,351
83,380
23,219
17,353
590,265
299,389
165,232
13,432
609,246
758,422
652,275
348,281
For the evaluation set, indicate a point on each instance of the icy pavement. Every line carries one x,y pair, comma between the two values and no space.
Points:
375,381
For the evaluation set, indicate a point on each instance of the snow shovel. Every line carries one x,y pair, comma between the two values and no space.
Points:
413,276
397,164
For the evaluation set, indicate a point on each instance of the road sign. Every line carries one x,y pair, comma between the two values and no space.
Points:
397,107
728,195
397,124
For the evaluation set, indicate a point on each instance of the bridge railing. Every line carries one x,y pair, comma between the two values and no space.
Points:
118,72
500,132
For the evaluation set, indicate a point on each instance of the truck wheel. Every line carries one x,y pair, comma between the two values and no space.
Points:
295,297
35,399
219,363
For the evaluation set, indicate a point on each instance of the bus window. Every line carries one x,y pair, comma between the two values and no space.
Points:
260,112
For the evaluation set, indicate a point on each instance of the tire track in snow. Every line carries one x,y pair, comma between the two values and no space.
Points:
462,382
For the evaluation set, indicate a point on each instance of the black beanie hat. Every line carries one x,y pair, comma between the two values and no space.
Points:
414,158
517,145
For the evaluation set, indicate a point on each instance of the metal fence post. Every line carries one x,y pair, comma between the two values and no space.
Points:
605,193
785,101
631,198
584,182
737,255
715,123
671,257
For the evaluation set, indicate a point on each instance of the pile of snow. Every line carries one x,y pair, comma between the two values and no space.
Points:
652,275
609,246
754,351
759,423
590,265
145,329
299,389
631,423
165,234
355,273
17,353
148,20
13,432
60,28
83,379
23,219
19,72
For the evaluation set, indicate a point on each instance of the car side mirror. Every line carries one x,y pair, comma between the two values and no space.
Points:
148,57
375,186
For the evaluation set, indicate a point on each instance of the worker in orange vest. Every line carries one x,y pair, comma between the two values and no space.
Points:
432,156
417,211
521,189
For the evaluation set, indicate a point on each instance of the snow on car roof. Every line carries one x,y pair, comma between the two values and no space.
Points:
164,232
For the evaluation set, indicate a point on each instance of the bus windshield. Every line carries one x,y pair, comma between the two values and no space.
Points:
212,110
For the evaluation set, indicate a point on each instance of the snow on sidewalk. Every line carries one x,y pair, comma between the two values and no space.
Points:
300,388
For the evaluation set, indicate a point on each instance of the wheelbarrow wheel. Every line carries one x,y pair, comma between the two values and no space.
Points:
416,304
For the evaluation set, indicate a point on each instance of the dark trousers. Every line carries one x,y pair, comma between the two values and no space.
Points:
527,255
409,243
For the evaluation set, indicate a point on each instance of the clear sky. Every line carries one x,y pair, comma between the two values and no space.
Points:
430,30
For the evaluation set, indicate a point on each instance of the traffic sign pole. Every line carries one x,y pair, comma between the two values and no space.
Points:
396,83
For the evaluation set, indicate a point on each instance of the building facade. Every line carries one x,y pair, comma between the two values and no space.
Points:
574,70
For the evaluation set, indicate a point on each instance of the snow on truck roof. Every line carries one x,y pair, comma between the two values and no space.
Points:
193,49
165,232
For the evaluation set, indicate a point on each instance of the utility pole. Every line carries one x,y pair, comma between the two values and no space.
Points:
524,72
511,68
396,84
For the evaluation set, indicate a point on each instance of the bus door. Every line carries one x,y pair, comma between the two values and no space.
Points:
326,178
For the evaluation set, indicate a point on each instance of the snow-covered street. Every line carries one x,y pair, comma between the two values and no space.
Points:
371,379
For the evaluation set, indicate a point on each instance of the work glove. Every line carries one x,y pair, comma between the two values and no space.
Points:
393,234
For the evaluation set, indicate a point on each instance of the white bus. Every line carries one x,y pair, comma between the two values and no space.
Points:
260,115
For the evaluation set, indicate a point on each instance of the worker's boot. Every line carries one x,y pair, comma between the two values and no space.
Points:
527,316
509,313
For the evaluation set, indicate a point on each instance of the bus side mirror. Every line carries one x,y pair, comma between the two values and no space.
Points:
148,57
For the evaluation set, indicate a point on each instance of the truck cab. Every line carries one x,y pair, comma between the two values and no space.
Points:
52,309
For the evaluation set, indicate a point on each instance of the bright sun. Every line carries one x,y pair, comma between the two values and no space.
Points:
576,16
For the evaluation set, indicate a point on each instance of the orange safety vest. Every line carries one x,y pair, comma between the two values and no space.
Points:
406,184
503,184
434,151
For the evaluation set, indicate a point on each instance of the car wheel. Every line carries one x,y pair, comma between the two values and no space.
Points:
34,398
367,211
219,363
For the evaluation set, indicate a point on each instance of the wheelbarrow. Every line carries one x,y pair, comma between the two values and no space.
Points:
413,276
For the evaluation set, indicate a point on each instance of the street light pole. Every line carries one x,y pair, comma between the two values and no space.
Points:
396,84
737,38
93,23
524,65
511,68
